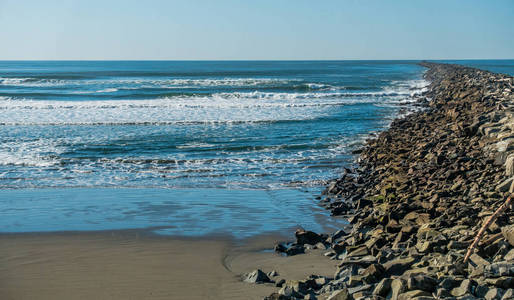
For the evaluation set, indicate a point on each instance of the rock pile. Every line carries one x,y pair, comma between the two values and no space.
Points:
418,196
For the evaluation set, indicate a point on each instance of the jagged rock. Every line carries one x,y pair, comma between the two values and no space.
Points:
505,185
359,251
509,165
277,296
355,280
294,250
256,276
340,295
280,248
364,289
509,256
346,272
373,273
456,245
509,295
421,282
449,283
499,269
508,233
272,273
464,288
494,294
320,246
501,282
307,237
413,294
280,283
398,286
383,287
398,266
477,264
363,261
288,292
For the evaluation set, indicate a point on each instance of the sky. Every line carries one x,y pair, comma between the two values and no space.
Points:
256,29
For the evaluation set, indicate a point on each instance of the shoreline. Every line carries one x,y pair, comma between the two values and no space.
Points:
418,196
392,250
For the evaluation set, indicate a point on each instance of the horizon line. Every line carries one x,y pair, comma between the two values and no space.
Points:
292,60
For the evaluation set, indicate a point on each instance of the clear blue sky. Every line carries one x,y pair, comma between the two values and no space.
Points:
256,29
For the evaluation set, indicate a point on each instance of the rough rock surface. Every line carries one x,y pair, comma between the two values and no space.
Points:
418,195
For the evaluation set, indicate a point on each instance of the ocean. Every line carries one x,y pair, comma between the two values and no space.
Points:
187,147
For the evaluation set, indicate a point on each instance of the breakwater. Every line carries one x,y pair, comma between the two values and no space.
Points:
418,196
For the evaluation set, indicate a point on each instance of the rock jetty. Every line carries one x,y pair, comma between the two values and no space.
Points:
417,197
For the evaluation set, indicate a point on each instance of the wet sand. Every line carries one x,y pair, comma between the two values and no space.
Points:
135,265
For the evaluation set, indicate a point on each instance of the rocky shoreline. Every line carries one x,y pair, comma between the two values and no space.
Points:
418,196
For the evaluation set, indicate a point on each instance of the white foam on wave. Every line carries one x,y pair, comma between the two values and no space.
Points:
29,153
166,110
220,107
108,90
148,83
14,81
411,88
45,159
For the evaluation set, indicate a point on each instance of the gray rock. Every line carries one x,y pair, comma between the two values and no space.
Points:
363,261
307,237
421,282
509,165
344,273
509,295
504,282
413,295
300,287
398,286
481,290
398,266
456,245
449,283
464,288
280,283
289,292
383,287
256,276
294,250
442,293
494,294
499,269
509,256
477,264
476,261
508,233
320,246
360,288
505,185
373,273
340,295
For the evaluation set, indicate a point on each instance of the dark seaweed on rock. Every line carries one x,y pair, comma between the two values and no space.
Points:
418,195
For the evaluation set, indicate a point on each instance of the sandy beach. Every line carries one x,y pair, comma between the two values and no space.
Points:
135,265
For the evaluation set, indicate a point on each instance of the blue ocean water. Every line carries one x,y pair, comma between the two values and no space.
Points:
189,147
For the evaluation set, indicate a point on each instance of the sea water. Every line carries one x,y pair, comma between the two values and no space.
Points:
186,148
